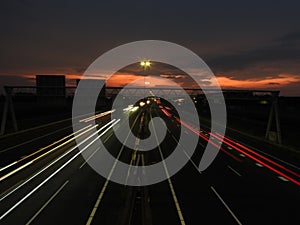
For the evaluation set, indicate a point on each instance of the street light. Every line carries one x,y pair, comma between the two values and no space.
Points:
145,64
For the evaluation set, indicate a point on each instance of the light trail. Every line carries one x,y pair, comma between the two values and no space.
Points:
263,157
37,158
264,153
97,116
232,145
101,194
33,139
56,160
40,150
58,170
166,112
206,139
263,163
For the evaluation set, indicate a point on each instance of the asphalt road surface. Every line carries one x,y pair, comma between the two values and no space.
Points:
45,180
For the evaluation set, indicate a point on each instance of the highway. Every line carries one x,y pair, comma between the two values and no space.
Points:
45,180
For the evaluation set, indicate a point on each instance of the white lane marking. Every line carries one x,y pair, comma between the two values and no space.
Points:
283,179
185,151
41,149
216,193
58,170
107,138
179,211
226,206
91,217
12,187
96,206
47,203
133,158
242,155
233,170
175,199
230,211
223,202
256,149
85,161
53,162
37,158
259,165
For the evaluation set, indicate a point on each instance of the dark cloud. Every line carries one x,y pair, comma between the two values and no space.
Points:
281,49
157,69
273,83
15,80
242,39
172,76
291,37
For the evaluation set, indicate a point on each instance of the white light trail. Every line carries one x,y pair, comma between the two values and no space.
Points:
58,170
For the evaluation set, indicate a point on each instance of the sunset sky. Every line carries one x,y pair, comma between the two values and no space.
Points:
247,44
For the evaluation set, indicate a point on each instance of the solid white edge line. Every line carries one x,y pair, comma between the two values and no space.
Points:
175,199
46,203
98,201
226,206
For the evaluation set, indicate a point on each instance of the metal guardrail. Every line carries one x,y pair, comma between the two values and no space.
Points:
111,92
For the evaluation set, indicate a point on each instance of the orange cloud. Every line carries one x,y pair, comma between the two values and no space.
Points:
119,80
268,82
124,79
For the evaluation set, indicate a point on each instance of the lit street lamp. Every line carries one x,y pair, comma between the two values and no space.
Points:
145,64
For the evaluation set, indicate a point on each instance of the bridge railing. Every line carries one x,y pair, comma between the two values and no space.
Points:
110,92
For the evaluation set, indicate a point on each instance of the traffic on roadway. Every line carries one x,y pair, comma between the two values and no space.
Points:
44,178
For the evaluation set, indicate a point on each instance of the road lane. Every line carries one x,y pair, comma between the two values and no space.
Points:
104,129
230,191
